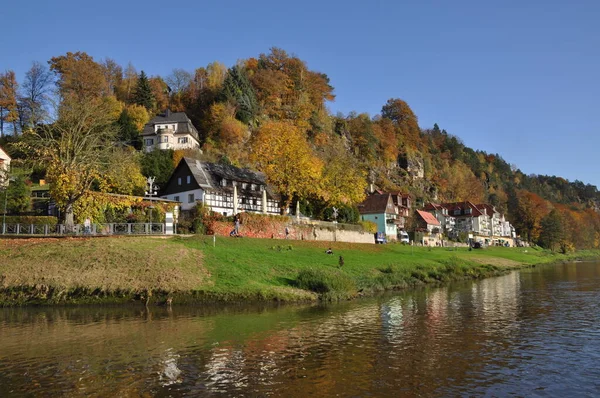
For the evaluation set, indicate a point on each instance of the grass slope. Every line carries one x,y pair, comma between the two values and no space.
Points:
121,269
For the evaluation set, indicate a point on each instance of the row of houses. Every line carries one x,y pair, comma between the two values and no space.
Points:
436,222
229,190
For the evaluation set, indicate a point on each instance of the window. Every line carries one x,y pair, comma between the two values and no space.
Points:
189,179
457,212
468,211
178,180
182,140
164,139
223,182
191,198
176,198
149,141
253,187
244,185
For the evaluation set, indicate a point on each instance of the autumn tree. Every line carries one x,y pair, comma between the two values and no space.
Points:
342,182
405,121
75,150
552,230
79,75
131,121
529,213
8,101
281,151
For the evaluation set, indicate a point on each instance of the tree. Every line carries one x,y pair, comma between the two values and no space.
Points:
552,230
158,164
238,91
113,74
17,194
75,150
342,182
131,122
79,75
8,101
143,93
35,93
282,152
404,119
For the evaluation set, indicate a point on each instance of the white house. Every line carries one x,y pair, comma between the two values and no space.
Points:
4,167
226,189
171,130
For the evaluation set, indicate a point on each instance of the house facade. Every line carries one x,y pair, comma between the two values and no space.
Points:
447,222
171,130
428,229
226,189
4,167
379,209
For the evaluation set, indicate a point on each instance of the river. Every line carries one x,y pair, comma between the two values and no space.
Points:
534,332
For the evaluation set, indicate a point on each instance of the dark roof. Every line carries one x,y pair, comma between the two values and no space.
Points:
377,204
462,206
433,206
184,124
209,177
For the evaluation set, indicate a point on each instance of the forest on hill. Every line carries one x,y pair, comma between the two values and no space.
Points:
270,113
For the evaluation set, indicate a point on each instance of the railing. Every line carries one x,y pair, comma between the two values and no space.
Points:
80,229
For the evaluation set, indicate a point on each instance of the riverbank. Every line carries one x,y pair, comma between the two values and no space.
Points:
197,269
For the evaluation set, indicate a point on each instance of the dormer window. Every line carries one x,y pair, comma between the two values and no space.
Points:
468,210
244,185
223,182
253,187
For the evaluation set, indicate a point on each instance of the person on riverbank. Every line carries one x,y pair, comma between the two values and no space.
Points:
236,226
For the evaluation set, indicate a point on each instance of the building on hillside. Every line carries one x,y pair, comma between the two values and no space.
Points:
447,222
468,219
428,229
170,130
402,203
380,209
4,167
226,189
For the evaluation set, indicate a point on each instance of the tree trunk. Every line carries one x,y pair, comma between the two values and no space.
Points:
69,219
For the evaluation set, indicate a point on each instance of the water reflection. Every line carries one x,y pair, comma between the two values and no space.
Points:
533,332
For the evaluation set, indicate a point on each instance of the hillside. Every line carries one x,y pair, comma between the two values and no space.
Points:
270,113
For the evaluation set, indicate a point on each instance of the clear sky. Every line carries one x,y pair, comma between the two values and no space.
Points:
518,78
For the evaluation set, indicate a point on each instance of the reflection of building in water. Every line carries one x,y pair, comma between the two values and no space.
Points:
170,373
225,369
496,302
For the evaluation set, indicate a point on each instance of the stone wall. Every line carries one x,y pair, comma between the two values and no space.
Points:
275,229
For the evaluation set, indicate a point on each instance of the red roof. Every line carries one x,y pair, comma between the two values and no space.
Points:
428,218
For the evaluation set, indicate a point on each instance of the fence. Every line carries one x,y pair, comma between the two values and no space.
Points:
79,229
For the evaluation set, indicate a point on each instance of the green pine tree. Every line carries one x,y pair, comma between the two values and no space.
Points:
238,90
143,93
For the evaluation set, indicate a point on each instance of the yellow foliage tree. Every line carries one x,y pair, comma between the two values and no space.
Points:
342,182
282,152
75,149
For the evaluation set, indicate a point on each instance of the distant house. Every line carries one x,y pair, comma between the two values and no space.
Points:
4,167
380,209
469,219
428,228
440,212
403,204
171,130
218,185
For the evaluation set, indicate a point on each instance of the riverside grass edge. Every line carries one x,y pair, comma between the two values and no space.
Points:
203,269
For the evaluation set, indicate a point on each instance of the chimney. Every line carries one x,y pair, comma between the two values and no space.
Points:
167,112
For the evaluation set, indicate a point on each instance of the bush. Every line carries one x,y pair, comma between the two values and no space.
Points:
329,284
368,226
35,220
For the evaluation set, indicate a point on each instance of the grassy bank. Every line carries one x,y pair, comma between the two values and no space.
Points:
148,269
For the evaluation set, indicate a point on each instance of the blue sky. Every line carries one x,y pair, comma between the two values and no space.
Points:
518,78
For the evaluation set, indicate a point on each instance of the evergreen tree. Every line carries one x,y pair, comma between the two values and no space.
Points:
238,91
143,93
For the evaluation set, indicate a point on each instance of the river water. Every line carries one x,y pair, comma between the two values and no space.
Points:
534,332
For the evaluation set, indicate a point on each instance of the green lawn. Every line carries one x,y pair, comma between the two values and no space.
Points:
193,269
